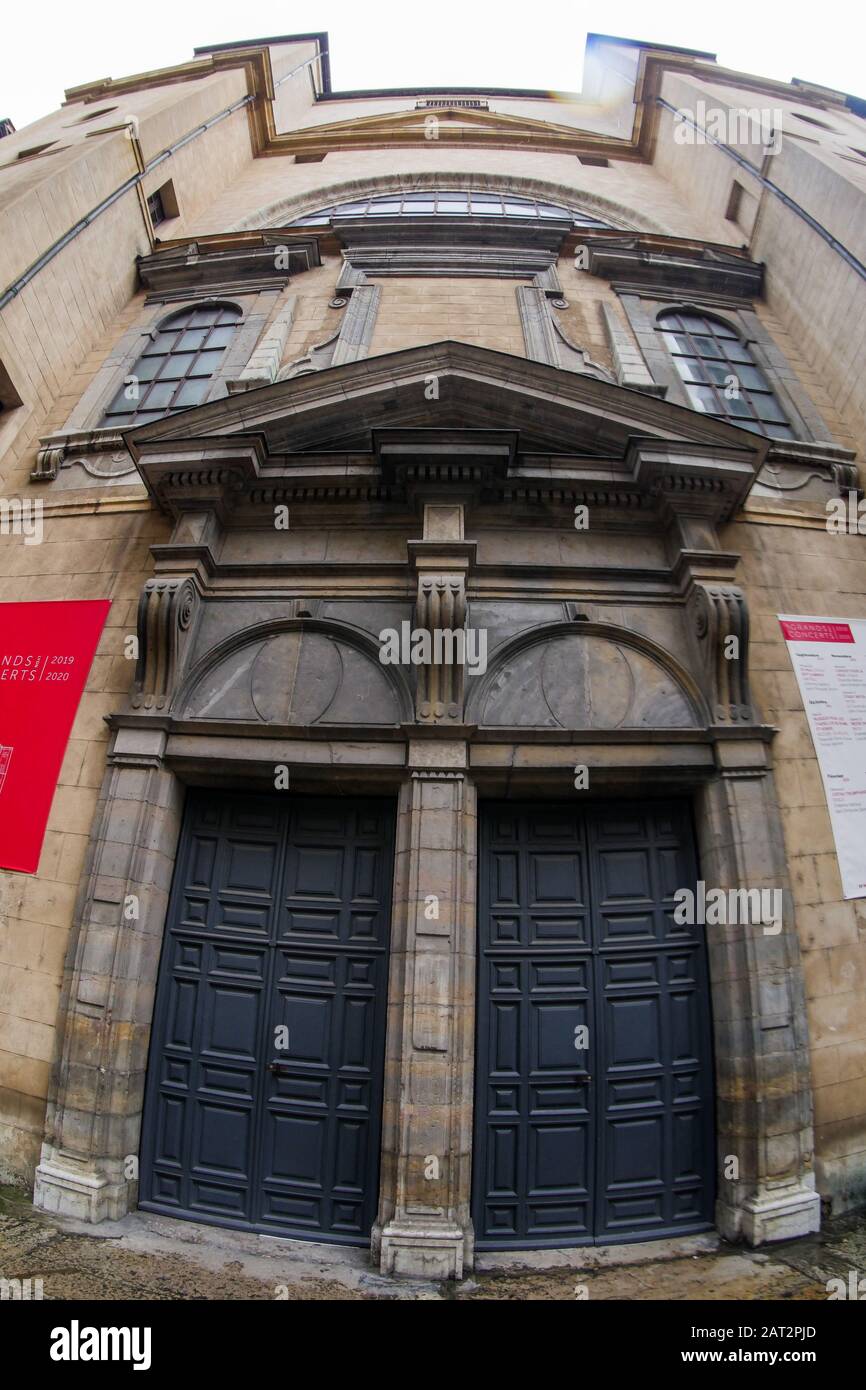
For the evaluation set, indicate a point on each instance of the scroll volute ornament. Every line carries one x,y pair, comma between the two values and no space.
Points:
166,611
721,627
440,613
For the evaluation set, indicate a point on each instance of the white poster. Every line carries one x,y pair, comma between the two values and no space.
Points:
829,658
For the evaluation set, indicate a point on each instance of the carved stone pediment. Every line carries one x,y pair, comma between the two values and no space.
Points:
573,429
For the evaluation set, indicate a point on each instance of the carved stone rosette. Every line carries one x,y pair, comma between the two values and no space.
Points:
721,627
441,613
165,614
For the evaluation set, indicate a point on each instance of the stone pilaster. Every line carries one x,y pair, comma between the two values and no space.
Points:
88,1167
424,1226
766,1184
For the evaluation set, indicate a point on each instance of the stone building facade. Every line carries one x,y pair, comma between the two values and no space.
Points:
296,374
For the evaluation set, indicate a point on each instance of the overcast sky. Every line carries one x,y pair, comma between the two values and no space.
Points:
47,45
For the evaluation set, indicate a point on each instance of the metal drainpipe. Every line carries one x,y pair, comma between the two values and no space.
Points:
33,270
857,266
135,182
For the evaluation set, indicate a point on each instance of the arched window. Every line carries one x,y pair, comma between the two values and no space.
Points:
175,369
720,375
443,202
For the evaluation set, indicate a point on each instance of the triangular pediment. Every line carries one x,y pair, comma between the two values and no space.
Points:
447,385
454,124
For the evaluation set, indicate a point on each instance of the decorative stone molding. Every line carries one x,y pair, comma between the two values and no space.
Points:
256,260
631,369
83,449
807,470
720,617
349,343
166,612
645,260
545,340
441,607
264,363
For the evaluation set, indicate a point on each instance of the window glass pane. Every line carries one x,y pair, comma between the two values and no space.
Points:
737,351
177,366
702,398
549,210
220,337
161,343
678,343
722,330
768,408
346,209
690,369
486,202
192,392
515,208
452,203
751,378
121,405
382,207
750,424
737,405
159,395
707,347
201,318
779,431
147,367
206,363
692,322
719,372
193,339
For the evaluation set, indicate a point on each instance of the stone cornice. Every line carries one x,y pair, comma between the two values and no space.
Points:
228,262
463,127
660,263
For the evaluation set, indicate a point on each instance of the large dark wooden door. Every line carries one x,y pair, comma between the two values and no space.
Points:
264,1088
594,1106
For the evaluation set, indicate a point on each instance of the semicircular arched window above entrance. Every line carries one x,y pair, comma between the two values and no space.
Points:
444,202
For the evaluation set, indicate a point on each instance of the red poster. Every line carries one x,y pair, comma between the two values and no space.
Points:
46,651
816,632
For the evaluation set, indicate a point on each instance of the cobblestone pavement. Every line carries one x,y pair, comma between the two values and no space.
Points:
150,1258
